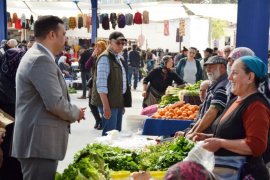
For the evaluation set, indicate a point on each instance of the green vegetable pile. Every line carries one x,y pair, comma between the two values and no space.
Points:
162,156
193,87
95,161
168,99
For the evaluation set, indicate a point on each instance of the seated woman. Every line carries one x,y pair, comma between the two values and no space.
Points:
157,81
241,132
64,67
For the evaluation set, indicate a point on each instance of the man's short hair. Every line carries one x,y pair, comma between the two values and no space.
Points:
45,24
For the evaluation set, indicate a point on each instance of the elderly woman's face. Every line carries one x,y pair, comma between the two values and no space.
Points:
238,78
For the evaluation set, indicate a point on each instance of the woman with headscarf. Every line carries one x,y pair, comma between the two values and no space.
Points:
100,47
235,54
157,81
241,132
188,170
190,69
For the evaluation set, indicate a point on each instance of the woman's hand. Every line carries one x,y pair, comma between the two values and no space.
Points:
201,136
144,94
190,136
94,54
212,144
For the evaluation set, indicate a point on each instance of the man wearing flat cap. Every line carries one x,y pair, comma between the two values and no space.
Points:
207,53
111,92
215,100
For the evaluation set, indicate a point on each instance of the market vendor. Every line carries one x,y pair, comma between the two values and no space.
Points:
216,98
241,132
157,81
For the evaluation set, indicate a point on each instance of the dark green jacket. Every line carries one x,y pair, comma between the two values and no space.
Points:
115,83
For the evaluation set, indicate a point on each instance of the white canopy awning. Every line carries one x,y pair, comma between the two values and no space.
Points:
158,11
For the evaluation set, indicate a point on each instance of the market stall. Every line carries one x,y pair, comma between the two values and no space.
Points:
100,161
176,111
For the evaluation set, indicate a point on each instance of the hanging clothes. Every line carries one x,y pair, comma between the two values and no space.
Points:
84,20
121,20
113,19
129,19
65,20
27,26
137,18
145,17
88,23
18,24
14,17
31,20
101,17
9,20
80,21
166,28
105,22
23,21
72,23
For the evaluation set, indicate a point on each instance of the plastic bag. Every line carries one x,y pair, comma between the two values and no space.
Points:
202,156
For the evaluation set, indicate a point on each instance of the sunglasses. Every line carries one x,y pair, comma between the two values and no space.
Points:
118,43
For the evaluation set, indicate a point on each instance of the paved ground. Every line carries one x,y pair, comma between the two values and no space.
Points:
83,133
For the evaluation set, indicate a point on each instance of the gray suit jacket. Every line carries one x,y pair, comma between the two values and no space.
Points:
43,110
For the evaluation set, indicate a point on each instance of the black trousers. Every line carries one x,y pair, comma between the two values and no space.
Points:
95,112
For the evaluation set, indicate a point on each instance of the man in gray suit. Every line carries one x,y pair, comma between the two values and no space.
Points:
43,109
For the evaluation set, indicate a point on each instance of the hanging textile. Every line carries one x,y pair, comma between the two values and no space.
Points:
129,19
80,21
27,26
9,20
137,18
85,20
23,21
113,19
88,23
14,17
105,22
145,17
166,28
31,20
18,24
121,21
72,23
65,20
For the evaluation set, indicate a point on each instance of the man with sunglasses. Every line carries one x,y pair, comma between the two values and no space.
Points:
110,86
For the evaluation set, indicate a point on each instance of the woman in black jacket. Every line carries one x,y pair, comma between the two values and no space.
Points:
157,81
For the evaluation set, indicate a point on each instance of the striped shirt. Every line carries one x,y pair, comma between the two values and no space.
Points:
103,71
216,96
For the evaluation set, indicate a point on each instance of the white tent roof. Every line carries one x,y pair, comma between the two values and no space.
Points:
158,11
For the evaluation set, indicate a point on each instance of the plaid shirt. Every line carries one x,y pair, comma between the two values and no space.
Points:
103,71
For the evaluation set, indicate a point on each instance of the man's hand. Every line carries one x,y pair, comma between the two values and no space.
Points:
82,114
107,112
